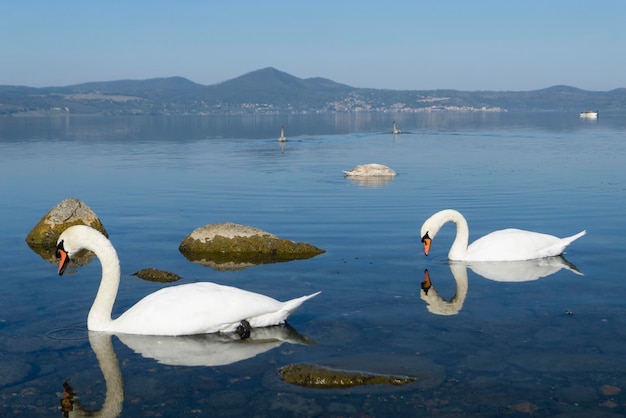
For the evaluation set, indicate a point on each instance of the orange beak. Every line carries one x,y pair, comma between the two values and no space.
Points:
426,240
64,259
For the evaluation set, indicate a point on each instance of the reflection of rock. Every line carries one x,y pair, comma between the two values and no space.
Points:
155,275
235,246
43,237
220,265
325,378
211,349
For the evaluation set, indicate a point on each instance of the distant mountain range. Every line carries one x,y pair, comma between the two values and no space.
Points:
270,91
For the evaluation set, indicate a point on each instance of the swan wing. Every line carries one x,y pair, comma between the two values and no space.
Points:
201,308
516,244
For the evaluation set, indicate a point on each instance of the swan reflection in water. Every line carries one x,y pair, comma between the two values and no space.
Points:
193,350
499,271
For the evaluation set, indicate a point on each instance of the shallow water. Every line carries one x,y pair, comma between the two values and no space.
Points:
545,346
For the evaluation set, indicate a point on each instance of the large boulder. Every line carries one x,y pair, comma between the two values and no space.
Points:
43,237
228,246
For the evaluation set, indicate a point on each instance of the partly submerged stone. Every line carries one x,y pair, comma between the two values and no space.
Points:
239,246
156,275
43,237
312,376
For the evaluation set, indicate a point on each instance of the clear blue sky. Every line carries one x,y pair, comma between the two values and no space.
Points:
415,45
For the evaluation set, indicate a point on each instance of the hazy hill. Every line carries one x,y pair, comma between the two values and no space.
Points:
271,91
270,86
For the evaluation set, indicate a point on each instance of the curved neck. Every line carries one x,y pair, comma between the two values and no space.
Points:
99,318
103,348
458,250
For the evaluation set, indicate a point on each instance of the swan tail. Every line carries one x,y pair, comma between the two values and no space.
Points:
280,315
568,240
559,247
293,304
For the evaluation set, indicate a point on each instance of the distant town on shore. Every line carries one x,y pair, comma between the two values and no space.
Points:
270,91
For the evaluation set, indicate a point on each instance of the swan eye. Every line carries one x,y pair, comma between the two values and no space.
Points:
59,249
425,237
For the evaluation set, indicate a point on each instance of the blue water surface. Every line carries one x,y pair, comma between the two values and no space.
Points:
479,343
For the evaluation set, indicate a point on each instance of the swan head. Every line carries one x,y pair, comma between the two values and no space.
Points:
71,242
432,225
63,256
426,240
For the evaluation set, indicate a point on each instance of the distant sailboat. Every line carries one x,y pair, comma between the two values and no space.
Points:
395,129
282,137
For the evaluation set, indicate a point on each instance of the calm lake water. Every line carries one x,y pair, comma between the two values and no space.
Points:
523,339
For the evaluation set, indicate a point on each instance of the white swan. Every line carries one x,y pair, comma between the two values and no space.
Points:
195,308
282,137
435,303
370,170
396,131
502,245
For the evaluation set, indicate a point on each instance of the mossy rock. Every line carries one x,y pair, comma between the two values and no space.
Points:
312,376
42,239
232,244
156,275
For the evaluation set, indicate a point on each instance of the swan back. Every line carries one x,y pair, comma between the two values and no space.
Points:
370,170
516,244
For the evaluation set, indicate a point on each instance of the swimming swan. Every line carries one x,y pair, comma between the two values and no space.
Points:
502,245
370,170
282,137
396,131
195,308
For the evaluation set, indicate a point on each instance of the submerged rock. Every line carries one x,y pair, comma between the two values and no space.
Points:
156,275
239,246
43,237
312,376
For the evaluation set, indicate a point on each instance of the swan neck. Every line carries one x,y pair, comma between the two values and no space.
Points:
99,318
458,250
102,346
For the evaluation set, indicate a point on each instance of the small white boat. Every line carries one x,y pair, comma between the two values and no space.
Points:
589,114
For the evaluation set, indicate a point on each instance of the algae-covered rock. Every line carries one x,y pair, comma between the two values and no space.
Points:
43,237
312,376
239,246
156,275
